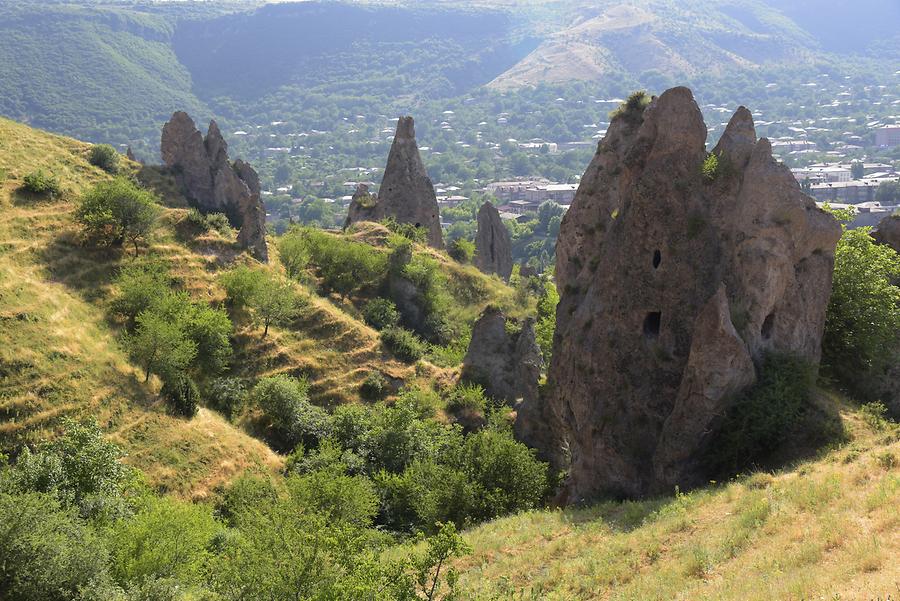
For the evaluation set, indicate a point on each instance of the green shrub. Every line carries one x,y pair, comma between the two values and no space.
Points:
182,395
166,539
710,167
78,468
104,156
380,313
462,250
632,110
506,474
407,230
344,266
426,493
294,253
116,212
38,182
375,387
219,222
467,397
405,345
285,402
227,395
241,284
762,417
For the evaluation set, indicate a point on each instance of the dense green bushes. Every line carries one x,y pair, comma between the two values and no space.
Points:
285,403
405,345
344,266
763,417
312,535
380,313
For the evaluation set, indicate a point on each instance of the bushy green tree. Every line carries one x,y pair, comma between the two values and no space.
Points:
405,345
285,402
863,318
545,325
117,211
241,283
461,250
381,313
80,469
139,286
161,346
104,156
344,266
48,553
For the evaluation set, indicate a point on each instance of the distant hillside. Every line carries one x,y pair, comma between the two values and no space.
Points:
679,39
94,72
345,49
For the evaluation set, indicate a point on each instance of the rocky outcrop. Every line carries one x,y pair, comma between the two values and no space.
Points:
212,183
675,281
508,366
129,154
406,194
362,206
493,249
888,232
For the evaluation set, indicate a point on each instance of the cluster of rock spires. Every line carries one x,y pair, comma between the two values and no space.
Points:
493,249
406,193
674,285
212,183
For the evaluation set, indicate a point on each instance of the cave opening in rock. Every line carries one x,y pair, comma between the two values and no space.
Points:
767,326
657,258
651,325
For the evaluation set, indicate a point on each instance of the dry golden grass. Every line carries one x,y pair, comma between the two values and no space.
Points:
59,355
828,528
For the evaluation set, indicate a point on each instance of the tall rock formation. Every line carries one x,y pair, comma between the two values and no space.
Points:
406,193
493,249
508,366
212,183
888,232
677,274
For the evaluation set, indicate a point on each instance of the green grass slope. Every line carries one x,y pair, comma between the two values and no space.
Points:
825,528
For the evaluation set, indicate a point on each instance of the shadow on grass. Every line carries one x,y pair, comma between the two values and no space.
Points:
86,270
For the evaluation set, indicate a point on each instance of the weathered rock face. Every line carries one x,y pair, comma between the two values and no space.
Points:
212,183
673,287
362,206
129,154
493,249
252,234
507,366
888,232
406,193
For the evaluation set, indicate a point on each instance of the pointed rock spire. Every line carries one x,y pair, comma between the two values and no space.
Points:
406,193
493,249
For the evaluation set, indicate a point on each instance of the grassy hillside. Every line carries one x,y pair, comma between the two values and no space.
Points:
62,354
825,528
